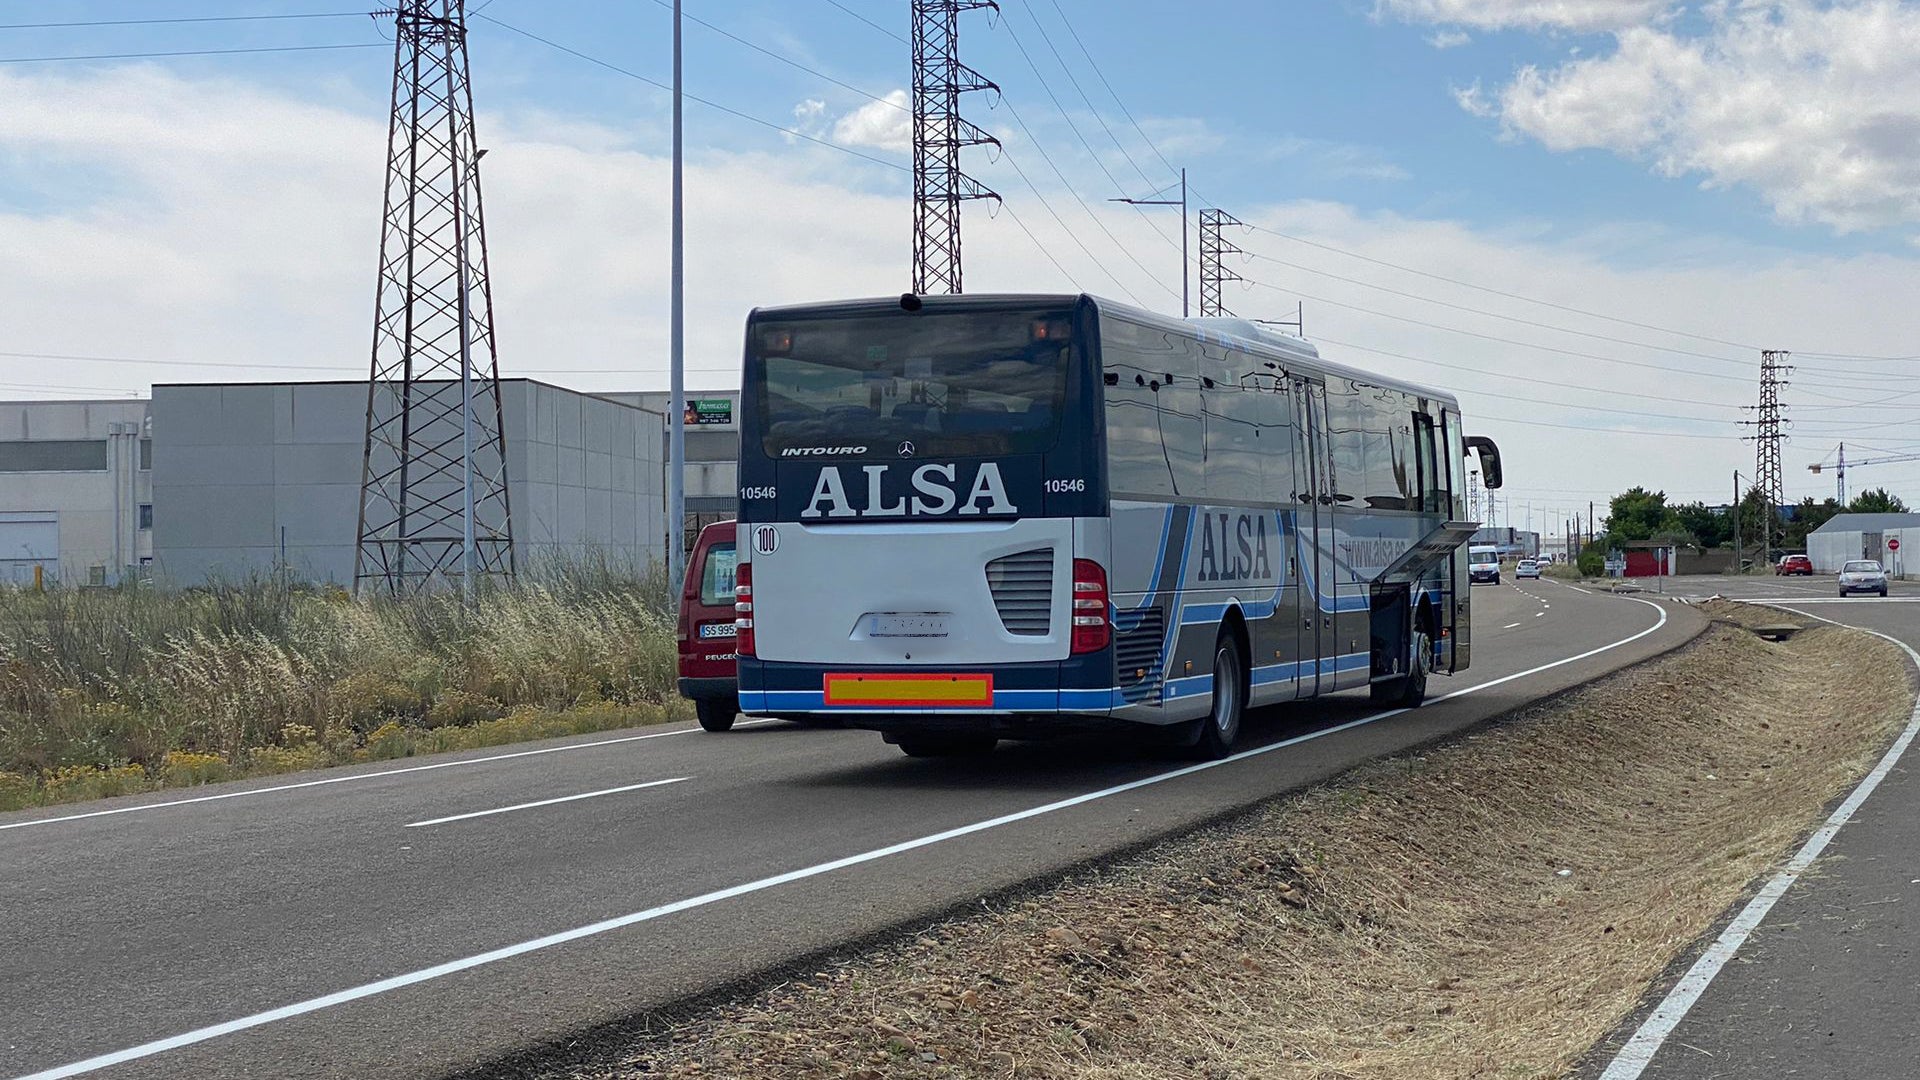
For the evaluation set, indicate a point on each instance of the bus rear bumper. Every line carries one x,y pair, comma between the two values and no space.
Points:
1026,700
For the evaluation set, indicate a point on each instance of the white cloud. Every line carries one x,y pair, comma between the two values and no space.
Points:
1814,106
809,117
886,124
238,225
1449,39
1578,16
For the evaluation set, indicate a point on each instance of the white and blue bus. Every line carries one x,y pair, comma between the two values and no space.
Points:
969,518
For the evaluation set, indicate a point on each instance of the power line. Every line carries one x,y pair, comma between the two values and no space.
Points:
869,22
1075,128
1095,65
1062,176
185,19
192,52
617,69
1493,291
1493,337
1319,339
789,61
1068,71
1494,314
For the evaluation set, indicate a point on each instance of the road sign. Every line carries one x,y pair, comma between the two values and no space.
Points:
1893,544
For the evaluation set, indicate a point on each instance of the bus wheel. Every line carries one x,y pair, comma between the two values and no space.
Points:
946,745
1217,730
1410,690
716,714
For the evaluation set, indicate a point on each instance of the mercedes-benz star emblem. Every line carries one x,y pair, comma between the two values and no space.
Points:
906,449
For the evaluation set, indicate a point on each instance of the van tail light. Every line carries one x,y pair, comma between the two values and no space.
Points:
743,609
1091,630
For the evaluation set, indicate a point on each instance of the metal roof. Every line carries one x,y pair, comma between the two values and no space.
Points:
1840,523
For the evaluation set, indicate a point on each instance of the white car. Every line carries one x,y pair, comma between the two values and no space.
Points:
1526,568
1862,575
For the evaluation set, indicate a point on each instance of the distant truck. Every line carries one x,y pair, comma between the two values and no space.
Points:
1483,564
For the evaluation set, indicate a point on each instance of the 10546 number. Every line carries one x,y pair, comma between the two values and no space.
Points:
757,492
1076,484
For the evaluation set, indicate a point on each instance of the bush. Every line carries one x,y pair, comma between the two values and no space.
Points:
1591,564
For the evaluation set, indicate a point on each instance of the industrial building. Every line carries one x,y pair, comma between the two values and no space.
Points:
76,499
1884,538
713,452
251,476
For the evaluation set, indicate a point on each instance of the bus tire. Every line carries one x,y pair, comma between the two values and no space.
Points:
930,746
716,714
1408,691
1215,733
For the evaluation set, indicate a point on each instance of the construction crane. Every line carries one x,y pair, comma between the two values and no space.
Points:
1841,463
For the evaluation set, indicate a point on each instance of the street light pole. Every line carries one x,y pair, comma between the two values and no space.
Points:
676,350
1181,202
1736,521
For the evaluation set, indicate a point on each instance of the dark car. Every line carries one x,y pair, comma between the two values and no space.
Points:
1794,564
708,671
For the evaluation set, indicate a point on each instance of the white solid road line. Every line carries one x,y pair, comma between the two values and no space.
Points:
342,997
543,802
360,776
1638,1053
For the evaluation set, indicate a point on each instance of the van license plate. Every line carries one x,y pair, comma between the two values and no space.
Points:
906,626
717,630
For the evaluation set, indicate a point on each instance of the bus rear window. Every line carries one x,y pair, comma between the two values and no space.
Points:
716,576
954,384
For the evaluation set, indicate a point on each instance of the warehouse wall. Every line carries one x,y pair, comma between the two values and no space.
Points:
248,475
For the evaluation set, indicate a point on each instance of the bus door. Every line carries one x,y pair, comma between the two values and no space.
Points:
1460,619
1314,539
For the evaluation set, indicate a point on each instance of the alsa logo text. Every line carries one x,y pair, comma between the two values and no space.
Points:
935,491
1233,547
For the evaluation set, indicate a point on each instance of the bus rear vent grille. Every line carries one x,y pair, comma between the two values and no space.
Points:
1142,634
1022,588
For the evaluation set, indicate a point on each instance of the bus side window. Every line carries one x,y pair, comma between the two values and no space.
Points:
1430,494
1136,461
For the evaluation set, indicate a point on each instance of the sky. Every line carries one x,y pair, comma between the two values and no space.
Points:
1585,217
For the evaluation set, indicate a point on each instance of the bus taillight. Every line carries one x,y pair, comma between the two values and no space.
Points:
743,609
1091,631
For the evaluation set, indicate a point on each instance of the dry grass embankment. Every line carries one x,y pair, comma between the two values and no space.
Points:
1491,907
105,692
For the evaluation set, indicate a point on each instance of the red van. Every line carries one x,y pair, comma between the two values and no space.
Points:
707,669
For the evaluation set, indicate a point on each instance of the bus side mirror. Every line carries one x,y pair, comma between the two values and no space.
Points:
1489,455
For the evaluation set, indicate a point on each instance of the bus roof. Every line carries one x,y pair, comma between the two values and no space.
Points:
1240,333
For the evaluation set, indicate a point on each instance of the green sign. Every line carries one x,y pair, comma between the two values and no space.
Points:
701,411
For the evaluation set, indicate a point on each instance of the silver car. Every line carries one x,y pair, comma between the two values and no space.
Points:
1862,575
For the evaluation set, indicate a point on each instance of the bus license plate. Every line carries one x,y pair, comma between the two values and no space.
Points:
717,630
906,626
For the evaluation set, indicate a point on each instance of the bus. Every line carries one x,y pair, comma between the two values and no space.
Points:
973,518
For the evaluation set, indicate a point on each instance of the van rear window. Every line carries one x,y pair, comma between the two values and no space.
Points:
716,577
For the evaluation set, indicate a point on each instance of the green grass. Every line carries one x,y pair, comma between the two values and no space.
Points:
104,692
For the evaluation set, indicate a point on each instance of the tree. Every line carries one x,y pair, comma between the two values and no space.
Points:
1808,516
1877,501
1710,527
1636,514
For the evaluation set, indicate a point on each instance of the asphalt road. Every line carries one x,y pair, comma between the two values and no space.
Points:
416,918
1828,986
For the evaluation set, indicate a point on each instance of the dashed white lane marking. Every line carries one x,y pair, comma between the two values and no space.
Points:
1639,1051
342,997
544,802
1510,626
362,776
